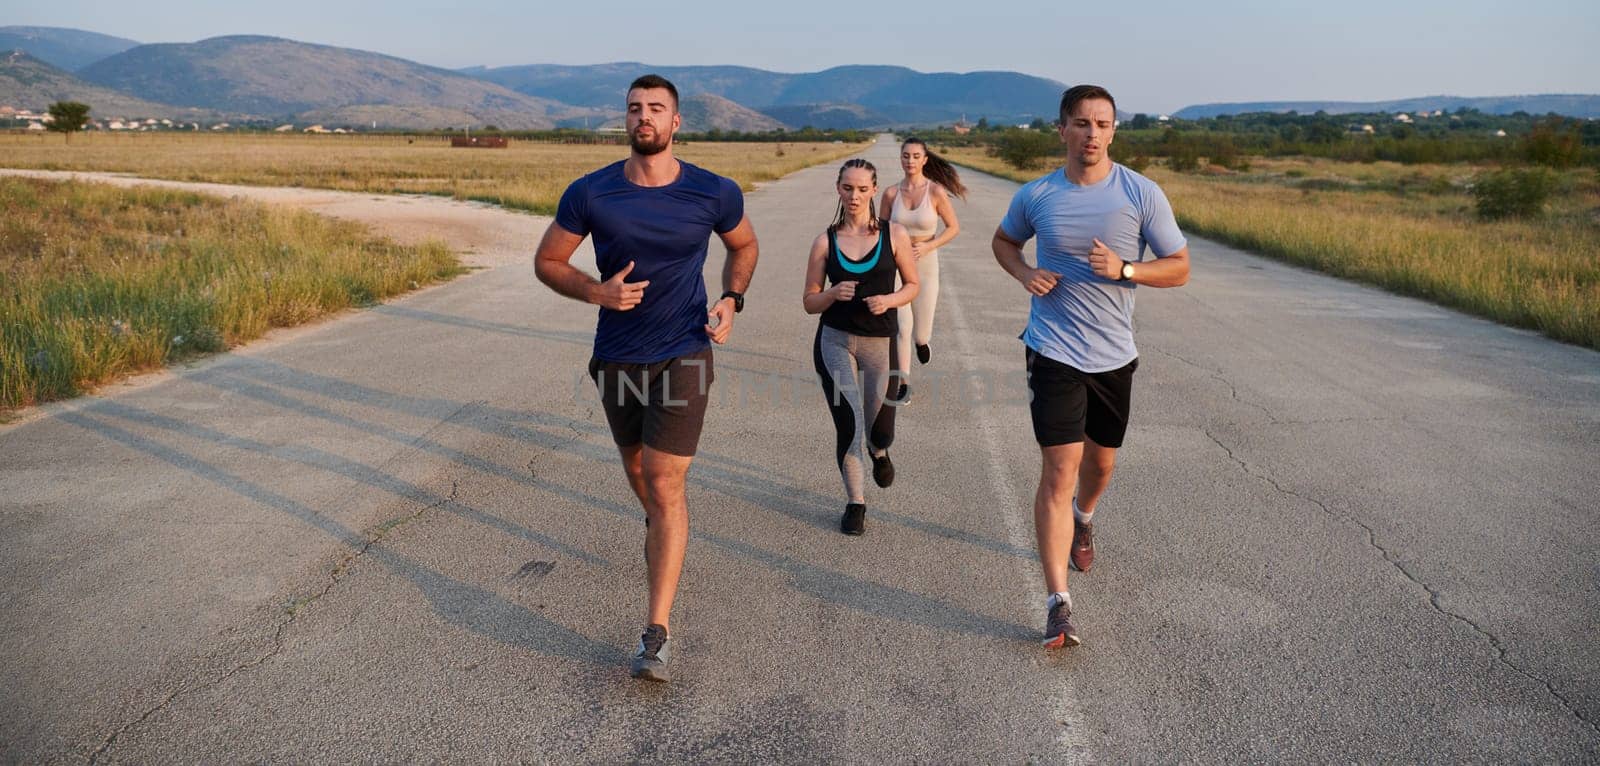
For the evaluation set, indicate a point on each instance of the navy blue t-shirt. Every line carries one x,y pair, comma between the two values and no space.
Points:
664,230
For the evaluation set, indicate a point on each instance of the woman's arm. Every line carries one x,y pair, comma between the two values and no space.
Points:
816,299
907,264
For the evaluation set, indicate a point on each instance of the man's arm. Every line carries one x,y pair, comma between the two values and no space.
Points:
552,263
1008,253
743,252
1165,271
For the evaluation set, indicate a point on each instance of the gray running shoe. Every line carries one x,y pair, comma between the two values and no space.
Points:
1058,630
650,659
1082,545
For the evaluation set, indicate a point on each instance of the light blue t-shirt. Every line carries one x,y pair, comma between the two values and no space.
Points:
1087,320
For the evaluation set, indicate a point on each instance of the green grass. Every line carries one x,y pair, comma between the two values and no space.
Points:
98,281
1407,228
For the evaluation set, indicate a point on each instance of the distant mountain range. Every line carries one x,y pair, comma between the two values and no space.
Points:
68,49
272,79
841,97
27,82
1571,105
275,78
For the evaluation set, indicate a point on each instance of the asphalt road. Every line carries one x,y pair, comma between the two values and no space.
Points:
1347,526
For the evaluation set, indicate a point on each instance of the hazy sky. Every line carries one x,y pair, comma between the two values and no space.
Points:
1155,56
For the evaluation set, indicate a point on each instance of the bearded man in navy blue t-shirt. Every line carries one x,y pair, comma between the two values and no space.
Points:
652,217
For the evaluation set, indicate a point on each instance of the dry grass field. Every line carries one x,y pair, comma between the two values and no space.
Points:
1408,228
524,176
98,281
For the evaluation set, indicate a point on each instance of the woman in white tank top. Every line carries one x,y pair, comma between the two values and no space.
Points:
919,202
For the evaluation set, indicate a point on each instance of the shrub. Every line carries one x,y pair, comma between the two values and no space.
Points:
1225,155
1555,142
1183,158
1512,193
1024,149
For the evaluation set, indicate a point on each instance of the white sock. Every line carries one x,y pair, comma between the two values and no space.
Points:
1077,513
1059,597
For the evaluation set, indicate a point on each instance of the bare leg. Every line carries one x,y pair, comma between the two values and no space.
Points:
1052,510
667,536
633,466
1094,474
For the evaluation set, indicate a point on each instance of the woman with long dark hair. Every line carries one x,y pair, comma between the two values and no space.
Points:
920,202
850,281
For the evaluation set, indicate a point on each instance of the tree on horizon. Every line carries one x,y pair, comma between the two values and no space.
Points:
68,117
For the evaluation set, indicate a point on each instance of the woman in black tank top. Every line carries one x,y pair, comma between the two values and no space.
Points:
850,281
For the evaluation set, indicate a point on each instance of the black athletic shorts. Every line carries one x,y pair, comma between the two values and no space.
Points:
662,404
1068,404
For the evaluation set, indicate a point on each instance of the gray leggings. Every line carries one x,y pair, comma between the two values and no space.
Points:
838,356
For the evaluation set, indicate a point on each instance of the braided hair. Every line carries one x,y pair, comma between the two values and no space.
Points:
872,205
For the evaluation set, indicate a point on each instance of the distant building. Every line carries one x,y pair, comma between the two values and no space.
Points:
283,128
315,129
1499,134
1402,117
35,126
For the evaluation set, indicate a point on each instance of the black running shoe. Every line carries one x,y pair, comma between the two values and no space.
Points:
902,397
883,469
1058,630
650,659
924,353
854,520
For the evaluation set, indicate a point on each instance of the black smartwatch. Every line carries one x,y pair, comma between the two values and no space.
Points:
738,300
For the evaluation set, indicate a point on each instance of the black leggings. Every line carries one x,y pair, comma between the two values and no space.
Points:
839,356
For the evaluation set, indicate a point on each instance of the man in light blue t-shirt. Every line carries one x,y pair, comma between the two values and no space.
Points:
1094,219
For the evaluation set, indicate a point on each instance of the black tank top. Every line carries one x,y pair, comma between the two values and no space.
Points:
874,275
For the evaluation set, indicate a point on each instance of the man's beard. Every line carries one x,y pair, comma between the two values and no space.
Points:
651,146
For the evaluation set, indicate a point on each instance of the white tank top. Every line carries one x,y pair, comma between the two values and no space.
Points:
921,222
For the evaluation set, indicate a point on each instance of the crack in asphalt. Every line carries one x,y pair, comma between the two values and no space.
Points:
334,576
1218,376
577,436
1502,653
